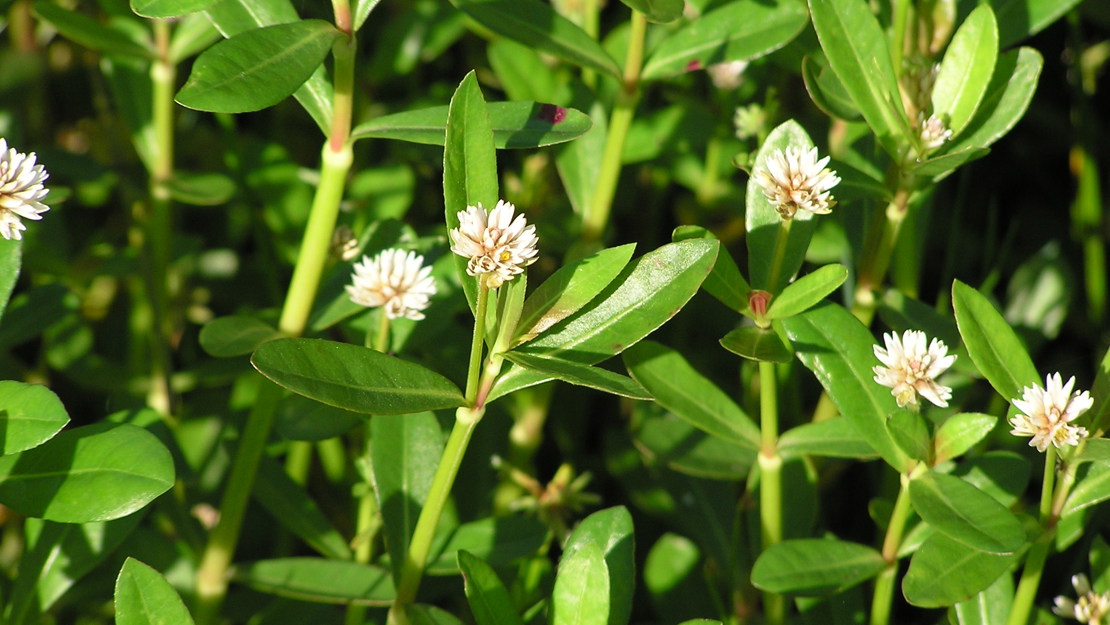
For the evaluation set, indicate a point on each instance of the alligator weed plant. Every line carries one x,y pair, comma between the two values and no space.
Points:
577,313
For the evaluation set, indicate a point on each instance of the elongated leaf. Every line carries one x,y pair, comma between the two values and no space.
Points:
834,438
469,166
489,600
755,343
815,566
538,26
302,419
960,433
579,161
581,375
826,90
144,597
169,8
1003,475
855,46
291,506
940,166
92,473
319,580
1092,488
601,551
944,572
192,34
569,289
11,257
581,593
1018,19
735,31
226,337
354,378
725,282
993,346
91,33
805,292
257,68
989,607
30,414
965,514
911,433
658,11
665,438
1007,97
966,69
1100,391
201,189
679,388
361,10
515,125
838,349
498,541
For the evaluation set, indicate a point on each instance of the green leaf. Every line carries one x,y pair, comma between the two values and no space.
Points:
961,432
902,313
910,432
805,292
319,580
538,26
489,600
226,337
30,414
514,124
1100,392
724,282
1018,19
499,541
169,8
1094,450
581,593
430,615
257,68
192,34
354,378
966,69
1006,100
301,419
1090,489
679,388
32,312
569,289
988,607
965,514
361,10
144,597
815,566
201,189
579,161
663,437
734,31
581,375
606,597
1003,475
944,572
469,166
826,90
832,438
993,346
658,11
91,33
92,473
940,166
11,257
856,48
404,452
288,502
839,350
755,343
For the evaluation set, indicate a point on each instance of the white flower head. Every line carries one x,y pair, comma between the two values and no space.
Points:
912,370
728,75
1047,413
933,132
395,280
795,180
497,245
1091,608
21,191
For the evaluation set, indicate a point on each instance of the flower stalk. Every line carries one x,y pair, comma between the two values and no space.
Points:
770,480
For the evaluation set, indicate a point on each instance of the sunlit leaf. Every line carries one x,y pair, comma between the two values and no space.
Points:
1005,101
30,414
514,124
815,566
144,597
489,600
805,292
965,514
658,11
944,572
833,438
581,375
169,8
319,580
725,282
11,257
993,346
961,432
966,69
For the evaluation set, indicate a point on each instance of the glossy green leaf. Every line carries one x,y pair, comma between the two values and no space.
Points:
666,439
201,189
30,414
569,289
169,8
658,11
581,375
354,378
832,438
1005,101
301,419
679,388
734,31
232,17
965,514
11,257
489,600
192,34
430,615
92,473
815,566
993,346
725,281
764,222
940,166
755,343
839,350
607,533
291,506
225,337
1018,19
404,452
856,48
538,26
1100,392
257,68
988,607
319,580
966,69
826,90
498,541
581,593
144,597
514,124
469,166
961,432
1091,488
910,432
944,572
579,162
805,292
91,33
1003,475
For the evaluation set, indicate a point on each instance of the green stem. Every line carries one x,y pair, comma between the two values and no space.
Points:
770,481
477,342
707,189
597,213
381,342
1031,572
874,265
367,525
898,34
883,599
781,242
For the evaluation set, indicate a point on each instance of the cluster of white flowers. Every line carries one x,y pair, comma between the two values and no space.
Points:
912,369
795,180
1047,413
1091,608
21,191
933,131
498,245
396,280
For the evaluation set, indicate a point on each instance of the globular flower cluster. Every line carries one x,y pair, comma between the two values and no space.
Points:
1091,608
1047,413
497,245
21,191
912,369
795,179
396,280
934,132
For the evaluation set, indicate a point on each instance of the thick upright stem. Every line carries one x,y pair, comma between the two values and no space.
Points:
1035,559
883,597
876,259
770,481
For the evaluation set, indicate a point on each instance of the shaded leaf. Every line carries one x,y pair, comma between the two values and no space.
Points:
826,91
489,600
755,343
833,438
664,438
658,11
225,337
965,514
815,566
581,375
144,597
498,541
30,414
944,572
201,189
11,257
290,504
319,580
91,33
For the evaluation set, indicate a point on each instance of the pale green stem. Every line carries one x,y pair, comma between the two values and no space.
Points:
477,342
883,597
873,269
1031,572
770,481
381,342
779,255
590,24
601,203
900,10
